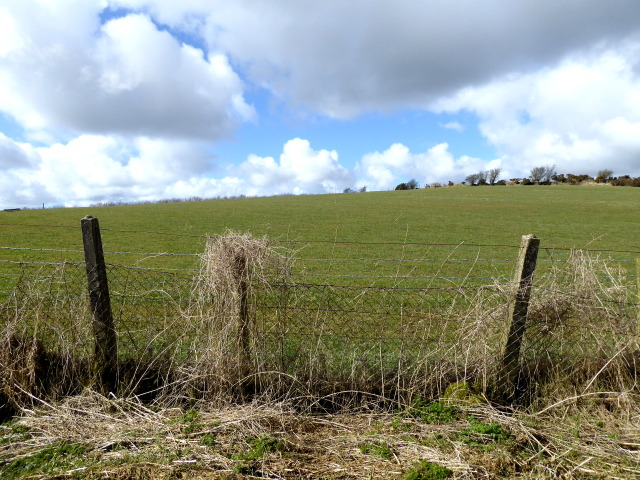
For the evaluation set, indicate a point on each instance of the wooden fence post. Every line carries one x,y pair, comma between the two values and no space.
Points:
505,381
244,349
105,345
638,298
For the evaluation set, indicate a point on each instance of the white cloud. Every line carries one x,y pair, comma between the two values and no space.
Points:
458,127
385,170
93,168
345,58
582,115
62,72
300,169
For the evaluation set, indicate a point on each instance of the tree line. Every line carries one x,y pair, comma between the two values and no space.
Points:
542,175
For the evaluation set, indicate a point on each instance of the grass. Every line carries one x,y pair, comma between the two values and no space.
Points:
317,340
46,462
87,436
425,470
556,214
322,347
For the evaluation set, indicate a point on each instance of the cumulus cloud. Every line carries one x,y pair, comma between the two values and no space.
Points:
62,71
384,170
300,169
345,58
92,168
582,115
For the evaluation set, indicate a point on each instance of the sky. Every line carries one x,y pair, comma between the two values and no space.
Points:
136,100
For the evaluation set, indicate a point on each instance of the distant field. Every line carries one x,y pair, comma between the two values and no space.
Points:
586,217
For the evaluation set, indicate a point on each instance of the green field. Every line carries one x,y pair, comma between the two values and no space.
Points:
403,225
591,217
440,261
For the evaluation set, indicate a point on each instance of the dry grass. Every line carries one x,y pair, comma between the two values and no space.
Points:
247,334
224,390
585,437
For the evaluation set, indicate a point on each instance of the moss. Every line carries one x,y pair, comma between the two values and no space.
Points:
460,393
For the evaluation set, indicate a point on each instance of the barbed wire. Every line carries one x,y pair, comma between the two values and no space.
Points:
64,262
393,277
151,254
334,242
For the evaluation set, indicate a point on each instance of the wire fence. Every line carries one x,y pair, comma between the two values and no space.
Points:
390,319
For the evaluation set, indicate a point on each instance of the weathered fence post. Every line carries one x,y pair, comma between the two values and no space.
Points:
638,290
241,274
505,381
105,344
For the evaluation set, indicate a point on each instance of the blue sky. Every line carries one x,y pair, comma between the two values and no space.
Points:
106,100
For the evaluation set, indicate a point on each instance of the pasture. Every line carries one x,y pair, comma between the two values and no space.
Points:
392,296
587,217
427,223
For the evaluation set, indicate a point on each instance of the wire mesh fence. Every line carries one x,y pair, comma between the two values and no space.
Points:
388,320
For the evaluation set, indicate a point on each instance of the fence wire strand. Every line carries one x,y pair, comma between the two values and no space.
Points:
410,326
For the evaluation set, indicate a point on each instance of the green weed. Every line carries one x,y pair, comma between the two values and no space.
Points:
188,418
259,447
432,412
208,440
480,433
425,470
48,461
379,449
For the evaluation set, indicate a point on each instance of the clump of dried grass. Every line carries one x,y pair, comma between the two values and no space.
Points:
234,268
582,329
43,338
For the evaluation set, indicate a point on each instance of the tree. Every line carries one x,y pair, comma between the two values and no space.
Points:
363,189
493,175
473,178
550,173
413,184
543,174
402,186
604,176
537,174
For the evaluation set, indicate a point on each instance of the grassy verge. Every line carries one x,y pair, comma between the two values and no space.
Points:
91,437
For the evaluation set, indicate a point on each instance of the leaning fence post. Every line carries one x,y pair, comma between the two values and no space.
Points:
105,345
505,381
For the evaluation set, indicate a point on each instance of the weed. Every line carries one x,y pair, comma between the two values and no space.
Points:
379,449
47,461
400,425
188,418
480,433
260,447
425,470
208,440
432,412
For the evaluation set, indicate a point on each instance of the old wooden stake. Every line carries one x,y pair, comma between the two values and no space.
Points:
505,383
105,344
